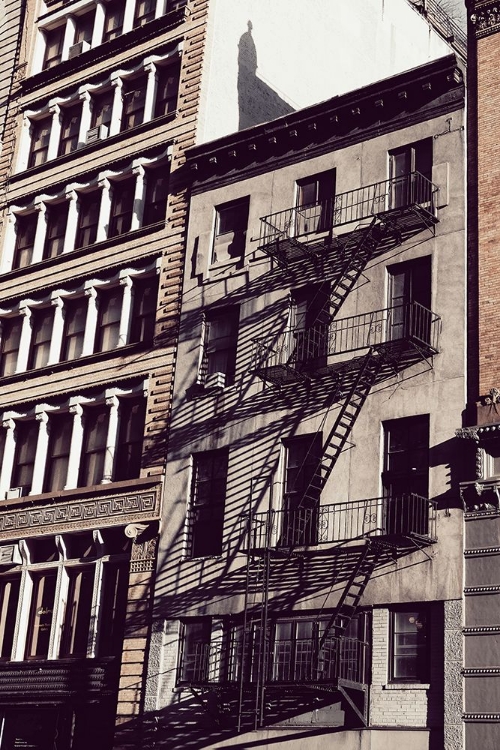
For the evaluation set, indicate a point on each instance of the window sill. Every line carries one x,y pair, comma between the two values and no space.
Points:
406,686
223,269
104,50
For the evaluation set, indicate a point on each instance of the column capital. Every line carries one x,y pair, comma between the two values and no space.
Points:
76,409
91,292
42,416
57,302
25,310
84,94
104,183
9,424
138,169
116,79
54,108
40,205
126,281
112,401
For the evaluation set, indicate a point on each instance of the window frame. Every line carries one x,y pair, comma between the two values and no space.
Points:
26,228
144,306
40,338
134,101
70,129
12,322
234,234
129,443
156,195
92,458
71,307
51,473
206,514
86,232
107,330
39,141
115,12
55,59
122,207
169,77
216,347
56,218
421,653
26,430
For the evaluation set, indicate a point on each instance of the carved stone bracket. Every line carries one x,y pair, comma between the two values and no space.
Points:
143,556
486,19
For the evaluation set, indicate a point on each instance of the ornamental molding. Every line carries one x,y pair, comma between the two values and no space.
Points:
481,671
486,19
481,717
482,630
473,590
85,513
469,433
481,551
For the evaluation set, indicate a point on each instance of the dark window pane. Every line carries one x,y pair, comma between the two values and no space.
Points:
11,336
84,27
145,293
114,604
40,135
75,316
102,105
94,446
220,343
108,320
56,468
122,205
113,23
53,47
88,216
41,334
24,458
130,437
77,614
9,597
70,128
157,181
144,12
25,240
167,90
42,608
195,651
134,98
208,499
409,646
230,230
57,219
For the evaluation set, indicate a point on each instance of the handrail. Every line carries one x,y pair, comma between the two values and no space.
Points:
349,207
406,515
411,321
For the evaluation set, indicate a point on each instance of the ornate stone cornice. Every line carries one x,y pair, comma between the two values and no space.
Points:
469,433
97,511
486,19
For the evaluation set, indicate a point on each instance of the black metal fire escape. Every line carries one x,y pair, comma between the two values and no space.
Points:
312,354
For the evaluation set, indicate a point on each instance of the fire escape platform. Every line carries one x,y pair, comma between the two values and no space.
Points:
402,207
402,336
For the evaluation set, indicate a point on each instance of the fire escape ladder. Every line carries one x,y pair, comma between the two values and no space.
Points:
254,647
361,251
353,591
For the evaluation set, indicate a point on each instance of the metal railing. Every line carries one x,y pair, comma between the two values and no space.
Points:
412,322
350,207
407,515
292,660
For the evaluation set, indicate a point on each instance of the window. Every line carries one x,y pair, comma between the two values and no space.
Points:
25,240
195,651
309,324
315,195
221,336
155,204
88,217
297,656
42,610
114,605
11,336
410,300
78,611
94,446
130,437
56,220
70,129
40,136
75,316
122,205
406,475
56,466
113,22
9,597
134,99
53,47
41,334
24,458
409,645
167,90
492,458
144,12
102,106
301,489
410,171
208,496
406,460
145,293
108,319
230,231
84,27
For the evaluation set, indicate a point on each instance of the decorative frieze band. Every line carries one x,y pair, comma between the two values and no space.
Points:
482,630
481,672
84,513
481,717
486,20
482,551
471,590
